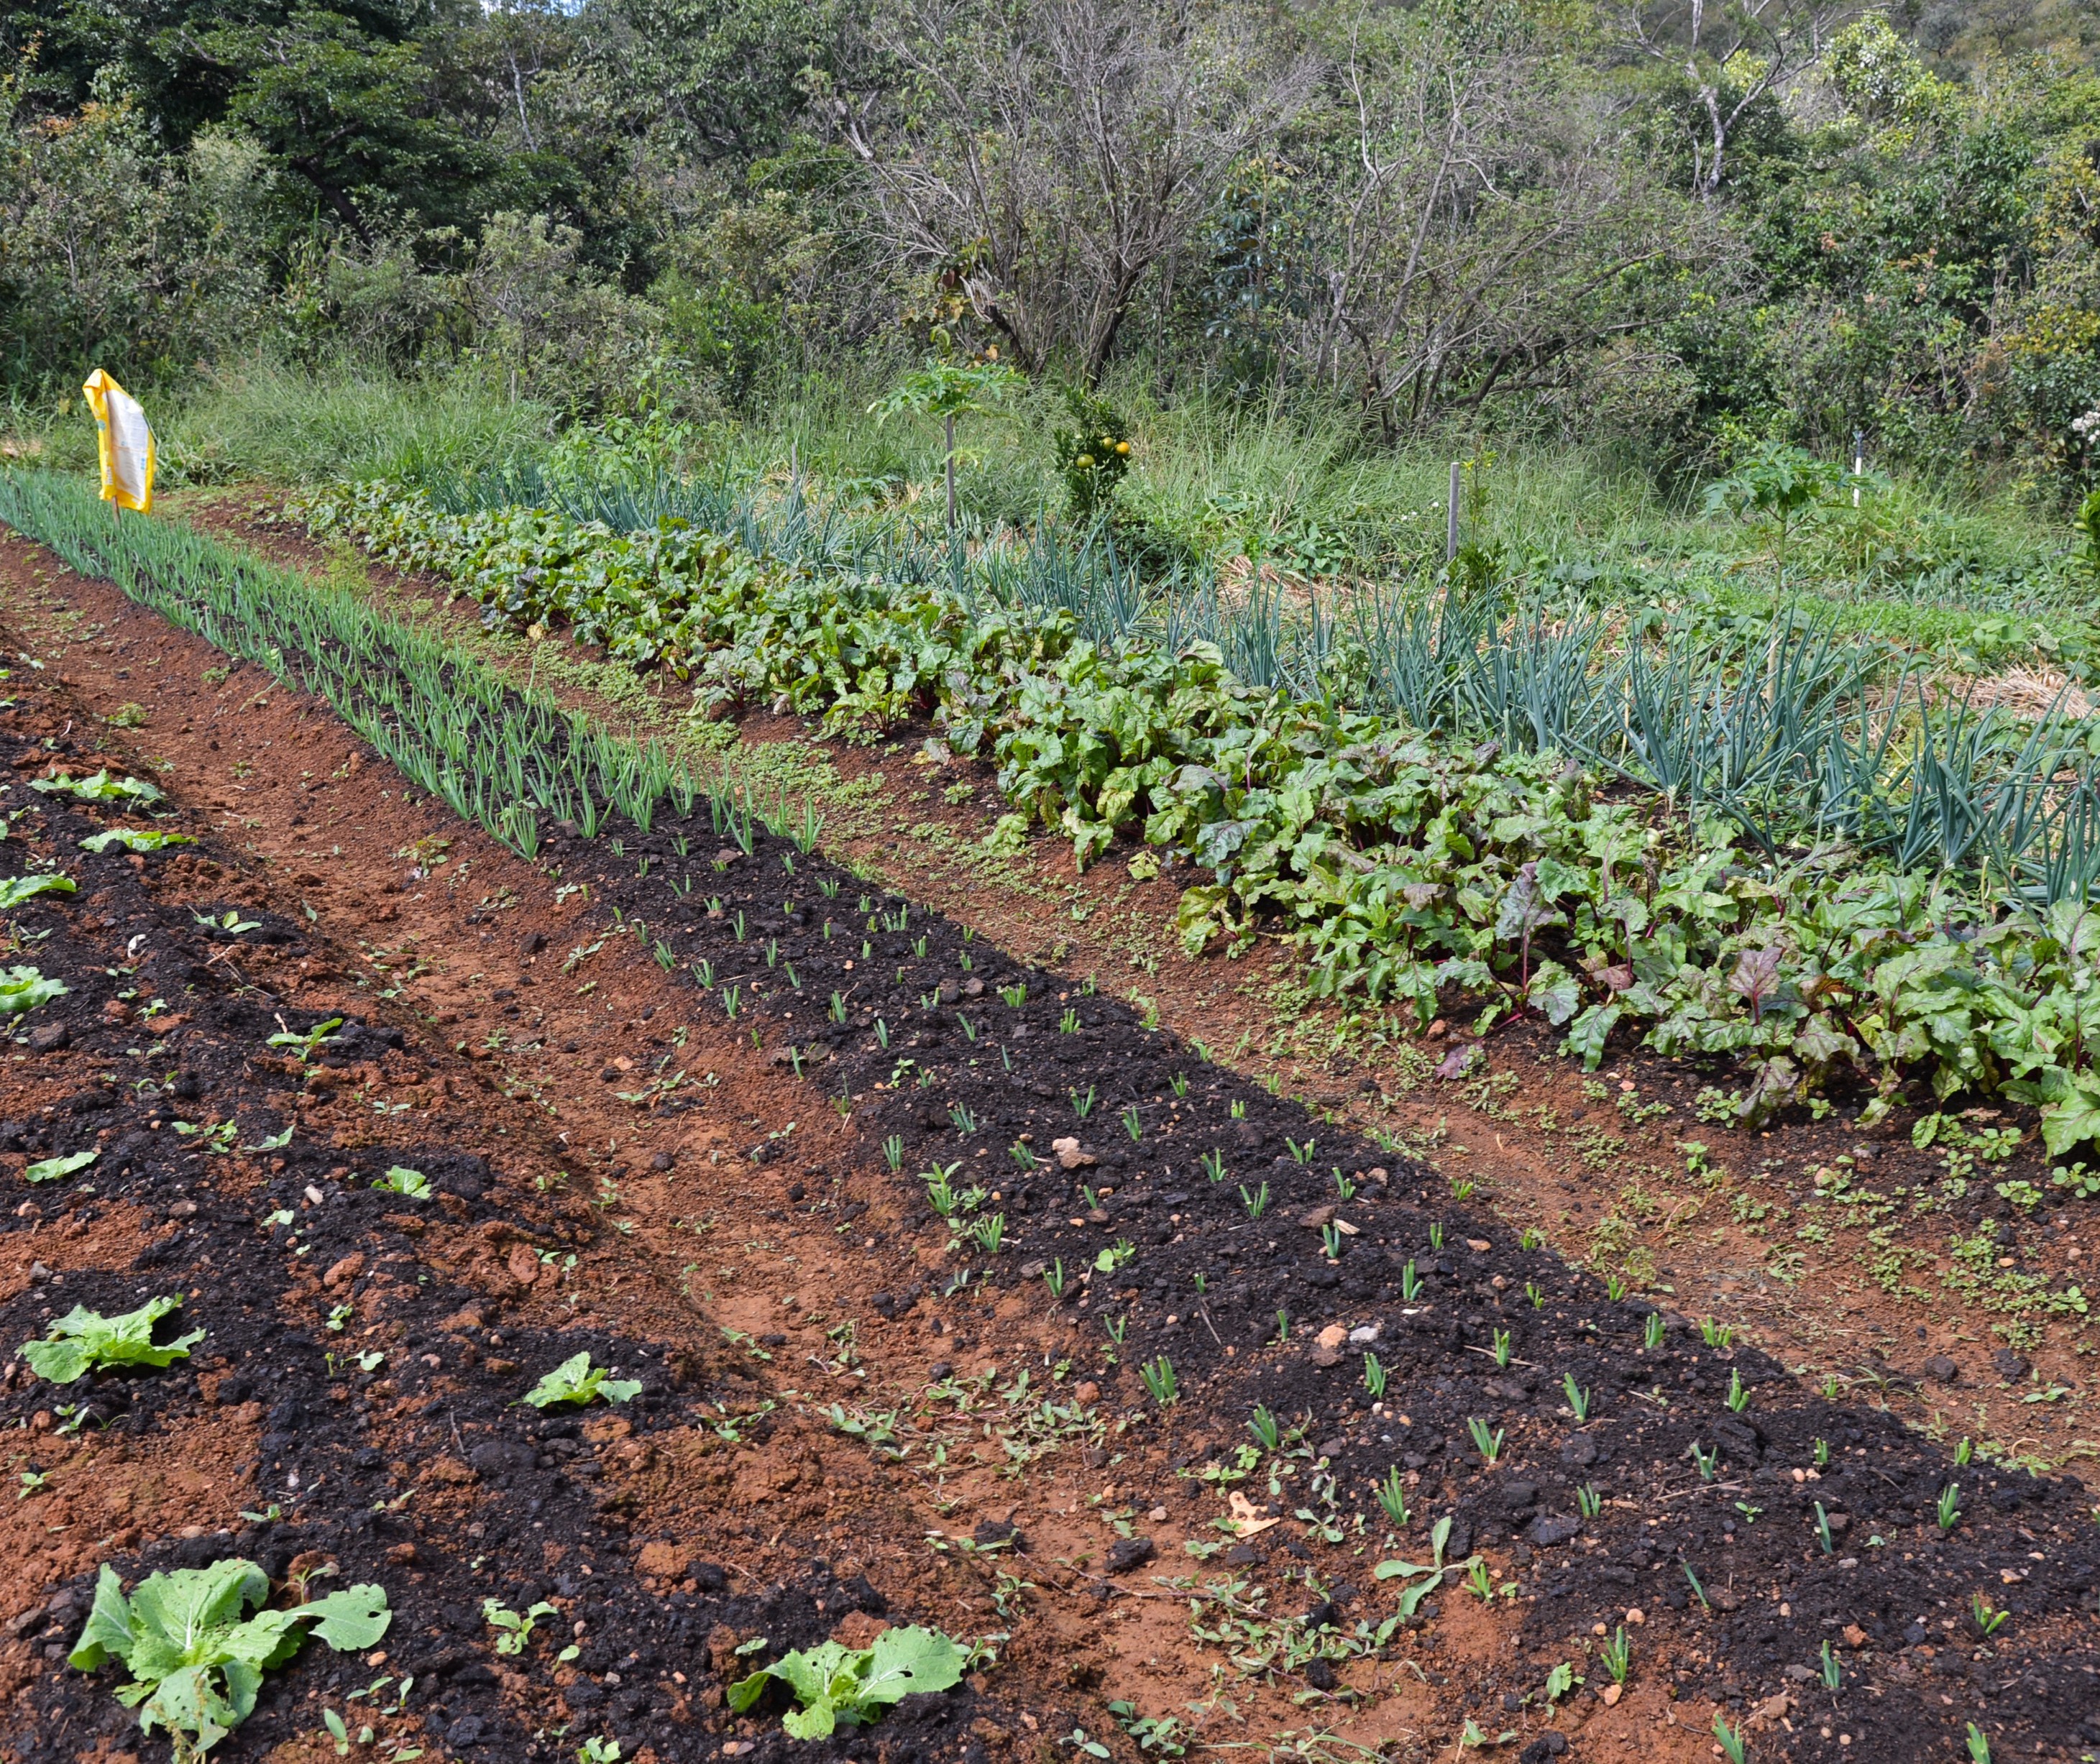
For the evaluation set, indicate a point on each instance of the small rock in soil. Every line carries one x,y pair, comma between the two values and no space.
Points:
2009,1365
1127,1553
49,1038
1550,1529
1942,1370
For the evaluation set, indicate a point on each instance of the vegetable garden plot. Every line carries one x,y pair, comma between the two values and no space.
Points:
395,1474
769,968
1349,1347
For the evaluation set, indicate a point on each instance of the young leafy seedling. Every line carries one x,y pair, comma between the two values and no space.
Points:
1490,1445
50,1169
837,1686
413,1184
15,890
83,1341
1652,1331
1373,1375
577,1381
1578,1398
98,787
195,1655
1502,1348
1618,1654
1588,1502
1158,1377
135,838
1257,1203
514,1630
1739,1396
305,1043
1947,1509
1214,1165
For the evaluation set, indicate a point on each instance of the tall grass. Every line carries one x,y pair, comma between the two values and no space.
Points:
260,419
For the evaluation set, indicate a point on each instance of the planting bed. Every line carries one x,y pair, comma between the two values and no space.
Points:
1932,1262
628,1053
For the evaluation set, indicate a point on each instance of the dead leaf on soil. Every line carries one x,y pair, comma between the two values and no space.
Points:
1247,1519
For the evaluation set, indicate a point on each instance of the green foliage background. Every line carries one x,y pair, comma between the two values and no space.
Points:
565,211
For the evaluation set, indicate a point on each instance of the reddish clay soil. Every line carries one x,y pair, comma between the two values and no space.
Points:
676,1101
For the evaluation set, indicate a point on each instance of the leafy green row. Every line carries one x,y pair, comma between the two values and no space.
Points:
1406,869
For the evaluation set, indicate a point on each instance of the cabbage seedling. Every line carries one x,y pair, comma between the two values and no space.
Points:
83,1340
838,1686
577,1380
197,1660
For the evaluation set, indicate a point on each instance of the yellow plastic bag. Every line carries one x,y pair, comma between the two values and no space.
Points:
127,443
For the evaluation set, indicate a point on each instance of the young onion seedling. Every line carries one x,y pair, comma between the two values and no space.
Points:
1392,1497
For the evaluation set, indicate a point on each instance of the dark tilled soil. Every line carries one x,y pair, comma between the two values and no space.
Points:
1744,1626
1736,1590
419,1471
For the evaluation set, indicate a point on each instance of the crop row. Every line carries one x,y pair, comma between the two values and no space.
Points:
1407,866
1406,869
495,755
